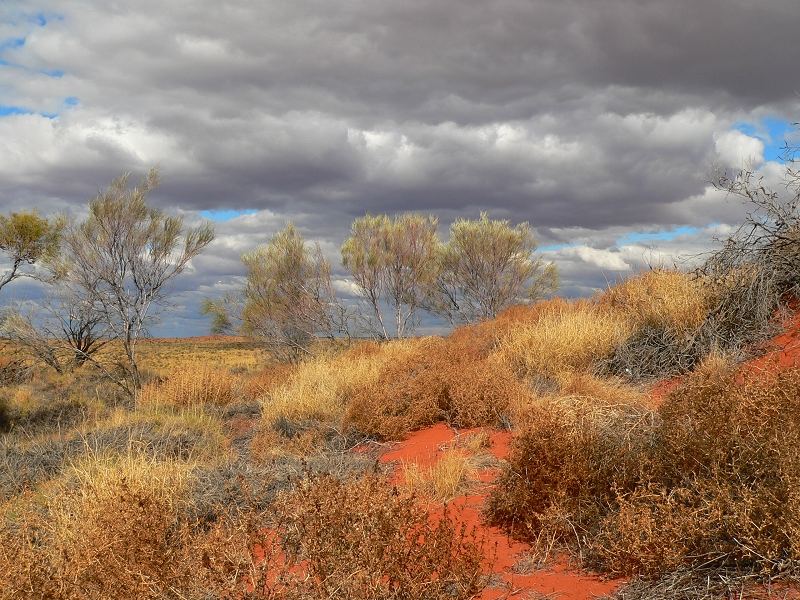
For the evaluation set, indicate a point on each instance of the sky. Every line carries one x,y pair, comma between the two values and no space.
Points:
600,122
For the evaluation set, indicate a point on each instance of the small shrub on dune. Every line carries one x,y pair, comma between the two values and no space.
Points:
723,480
193,386
448,379
567,465
408,393
364,539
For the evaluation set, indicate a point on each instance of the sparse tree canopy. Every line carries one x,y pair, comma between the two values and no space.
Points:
120,258
26,239
221,321
393,263
486,266
289,297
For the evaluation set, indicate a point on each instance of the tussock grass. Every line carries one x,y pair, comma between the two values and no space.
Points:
565,338
660,298
445,479
196,385
321,388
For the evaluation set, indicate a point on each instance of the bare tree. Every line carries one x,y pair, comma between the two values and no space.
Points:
120,259
393,263
486,266
26,239
289,300
31,340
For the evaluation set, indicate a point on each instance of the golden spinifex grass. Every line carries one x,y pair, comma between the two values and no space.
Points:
195,385
443,480
563,338
320,389
661,298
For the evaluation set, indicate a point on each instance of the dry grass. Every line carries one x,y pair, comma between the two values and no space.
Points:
320,390
567,338
441,379
660,298
196,385
445,479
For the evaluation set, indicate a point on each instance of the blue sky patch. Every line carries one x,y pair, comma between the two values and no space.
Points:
656,236
226,215
6,110
774,132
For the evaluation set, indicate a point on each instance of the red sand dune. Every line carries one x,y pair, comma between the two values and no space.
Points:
424,448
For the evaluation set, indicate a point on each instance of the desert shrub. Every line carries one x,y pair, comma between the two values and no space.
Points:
364,539
441,379
567,465
569,337
726,474
192,386
14,371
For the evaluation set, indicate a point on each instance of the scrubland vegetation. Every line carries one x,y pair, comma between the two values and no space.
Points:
225,473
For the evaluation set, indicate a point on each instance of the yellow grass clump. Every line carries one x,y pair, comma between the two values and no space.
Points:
321,388
570,338
660,298
443,480
106,534
195,385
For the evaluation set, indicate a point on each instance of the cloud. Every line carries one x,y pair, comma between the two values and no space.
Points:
588,118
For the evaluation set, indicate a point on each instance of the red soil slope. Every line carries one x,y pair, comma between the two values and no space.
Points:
424,448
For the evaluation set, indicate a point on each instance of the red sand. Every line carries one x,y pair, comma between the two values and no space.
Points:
424,448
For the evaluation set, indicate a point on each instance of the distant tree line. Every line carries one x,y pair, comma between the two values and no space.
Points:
399,269
106,278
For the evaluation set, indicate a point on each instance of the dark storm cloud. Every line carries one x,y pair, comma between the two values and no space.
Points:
588,118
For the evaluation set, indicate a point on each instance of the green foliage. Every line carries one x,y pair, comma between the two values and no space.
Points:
26,238
221,322
487,266
289,298
393,261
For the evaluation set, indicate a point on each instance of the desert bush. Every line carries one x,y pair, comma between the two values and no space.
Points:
567,465
364,539
441,379
14,371
192,386
724,480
